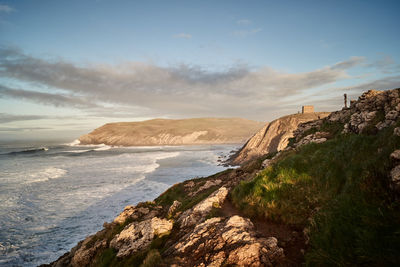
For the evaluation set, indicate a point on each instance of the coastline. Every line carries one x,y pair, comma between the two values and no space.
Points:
92,217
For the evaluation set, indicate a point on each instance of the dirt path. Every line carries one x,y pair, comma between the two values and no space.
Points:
290,239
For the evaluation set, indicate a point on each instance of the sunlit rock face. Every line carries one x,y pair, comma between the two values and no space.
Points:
273,137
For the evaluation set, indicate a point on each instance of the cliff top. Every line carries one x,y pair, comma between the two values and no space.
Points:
173,132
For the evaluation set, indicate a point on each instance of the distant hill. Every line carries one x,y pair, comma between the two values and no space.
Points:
173,132
273,136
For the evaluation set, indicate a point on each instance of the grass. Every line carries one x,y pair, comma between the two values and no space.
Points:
340,190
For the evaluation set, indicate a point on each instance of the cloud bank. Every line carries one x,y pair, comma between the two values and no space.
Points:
177,91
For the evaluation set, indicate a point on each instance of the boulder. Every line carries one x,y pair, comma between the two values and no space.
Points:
397,131
207,185
138,235
174,207
229,241
127,213
199,212
395,154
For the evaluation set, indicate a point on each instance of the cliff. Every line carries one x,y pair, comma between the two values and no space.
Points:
273,136
173,132
330,198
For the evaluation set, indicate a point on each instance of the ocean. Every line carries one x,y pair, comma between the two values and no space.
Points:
52,196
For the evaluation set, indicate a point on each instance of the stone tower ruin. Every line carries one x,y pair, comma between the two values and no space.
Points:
307,109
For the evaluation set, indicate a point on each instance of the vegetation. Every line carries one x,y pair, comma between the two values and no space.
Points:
339,190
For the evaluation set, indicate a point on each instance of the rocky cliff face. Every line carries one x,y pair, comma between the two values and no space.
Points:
273,136
173,132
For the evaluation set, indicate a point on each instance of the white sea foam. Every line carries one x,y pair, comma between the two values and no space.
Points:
102,147
46,175
74,143
77,151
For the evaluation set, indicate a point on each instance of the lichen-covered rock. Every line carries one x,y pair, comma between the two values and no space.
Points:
395,154
226,240
318,137
207,185
397,131
127,213
139,235
174,207
395,177
199,212
266,163
84,254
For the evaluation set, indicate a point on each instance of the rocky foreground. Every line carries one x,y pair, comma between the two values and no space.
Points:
195,223
173,132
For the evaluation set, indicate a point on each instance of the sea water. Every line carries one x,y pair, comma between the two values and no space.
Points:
53,196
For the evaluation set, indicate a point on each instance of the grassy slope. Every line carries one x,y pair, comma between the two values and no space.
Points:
338,190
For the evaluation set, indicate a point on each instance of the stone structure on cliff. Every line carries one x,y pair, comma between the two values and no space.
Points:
307,109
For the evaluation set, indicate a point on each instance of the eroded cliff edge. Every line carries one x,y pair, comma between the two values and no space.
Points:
173,132
330,198
273,137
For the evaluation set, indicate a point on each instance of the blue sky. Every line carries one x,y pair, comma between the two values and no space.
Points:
67,67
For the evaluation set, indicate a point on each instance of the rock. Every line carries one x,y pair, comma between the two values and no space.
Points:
138,235
395,175
392,115
174,207
128,212
395,154
207,185
84,254
397,131
198,213
143,211
232,241
318,137
190,184
273,137
266,163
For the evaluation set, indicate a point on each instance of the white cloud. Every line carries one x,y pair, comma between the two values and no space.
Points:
175,91
243,22
6,8
183,35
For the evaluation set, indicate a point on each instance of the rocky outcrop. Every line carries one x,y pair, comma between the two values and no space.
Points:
199,212
273,137
382,108
173,132
318,137
137,236
372,112
228,241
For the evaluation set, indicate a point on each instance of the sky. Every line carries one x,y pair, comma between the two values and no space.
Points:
67,67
